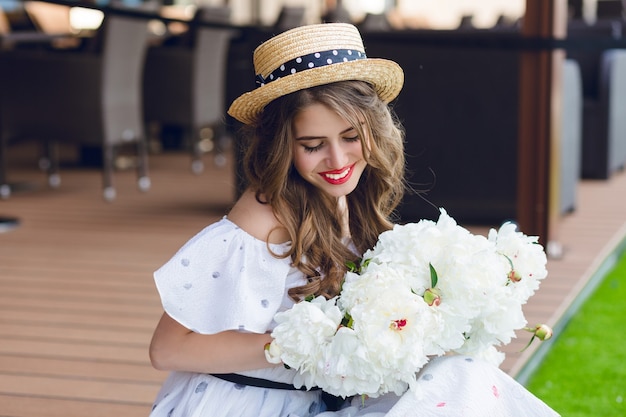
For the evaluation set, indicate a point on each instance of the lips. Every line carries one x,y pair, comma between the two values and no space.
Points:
338,176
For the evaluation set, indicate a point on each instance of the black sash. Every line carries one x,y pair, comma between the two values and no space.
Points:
258,382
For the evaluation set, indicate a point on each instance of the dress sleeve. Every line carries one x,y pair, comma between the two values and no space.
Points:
223,279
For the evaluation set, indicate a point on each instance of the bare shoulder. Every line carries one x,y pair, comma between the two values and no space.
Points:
257,219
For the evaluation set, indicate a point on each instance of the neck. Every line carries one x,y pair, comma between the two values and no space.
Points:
344,215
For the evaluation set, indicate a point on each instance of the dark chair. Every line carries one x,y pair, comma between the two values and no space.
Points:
575,9
5,29
507,22
613,98
184,85
599,160
289,18
86,98
5,188
571,135
466,22
610,9
338,14
374,22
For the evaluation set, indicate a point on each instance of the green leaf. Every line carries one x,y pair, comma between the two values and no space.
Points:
357,266
352,266
347,321
365,263
433,276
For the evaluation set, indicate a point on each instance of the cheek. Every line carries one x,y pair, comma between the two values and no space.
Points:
303,162
356,149
368,146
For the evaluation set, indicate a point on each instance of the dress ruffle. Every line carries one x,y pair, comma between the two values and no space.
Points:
224,279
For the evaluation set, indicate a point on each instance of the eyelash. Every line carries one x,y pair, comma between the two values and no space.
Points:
311,149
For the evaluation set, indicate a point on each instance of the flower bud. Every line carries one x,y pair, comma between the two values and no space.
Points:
543,332
272,353
432,297
514,276
540,331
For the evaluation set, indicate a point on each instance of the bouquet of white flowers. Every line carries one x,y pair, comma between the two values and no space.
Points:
425,289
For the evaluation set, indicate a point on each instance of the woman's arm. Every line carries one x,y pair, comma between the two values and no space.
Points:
176,348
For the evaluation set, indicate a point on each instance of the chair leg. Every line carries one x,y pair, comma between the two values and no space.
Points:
197,165
109,192
51,155
5,188
143,180
222,142
153,131
209,139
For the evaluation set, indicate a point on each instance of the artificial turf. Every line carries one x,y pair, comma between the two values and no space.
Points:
584,373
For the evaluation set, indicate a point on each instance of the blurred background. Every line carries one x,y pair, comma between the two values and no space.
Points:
68,76
115,148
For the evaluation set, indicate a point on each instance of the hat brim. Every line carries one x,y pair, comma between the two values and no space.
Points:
384,75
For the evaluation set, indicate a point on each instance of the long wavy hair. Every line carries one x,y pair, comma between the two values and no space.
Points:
310,216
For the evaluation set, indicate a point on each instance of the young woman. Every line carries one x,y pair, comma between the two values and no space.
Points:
324,168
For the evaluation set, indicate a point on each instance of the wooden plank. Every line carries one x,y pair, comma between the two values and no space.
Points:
69,350
131,337
92,270
109,320
32,406
61,292
79,389
20,364
145,309
140,286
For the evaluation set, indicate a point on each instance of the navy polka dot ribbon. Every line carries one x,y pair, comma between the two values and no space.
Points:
314,60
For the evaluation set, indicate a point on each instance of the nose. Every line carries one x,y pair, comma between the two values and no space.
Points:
337,156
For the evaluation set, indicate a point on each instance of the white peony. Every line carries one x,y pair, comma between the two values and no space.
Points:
302,331
425,289
527,257
347,368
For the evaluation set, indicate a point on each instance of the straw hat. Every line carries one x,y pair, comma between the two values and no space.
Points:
313,55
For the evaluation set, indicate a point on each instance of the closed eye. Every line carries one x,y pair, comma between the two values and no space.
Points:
311,149
307,141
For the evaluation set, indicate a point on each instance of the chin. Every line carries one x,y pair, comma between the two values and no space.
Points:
339,191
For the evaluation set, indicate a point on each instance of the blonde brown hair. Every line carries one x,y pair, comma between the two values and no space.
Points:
308,214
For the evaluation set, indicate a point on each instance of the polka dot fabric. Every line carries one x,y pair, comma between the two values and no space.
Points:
454,386
224,269
225,279
310,61
188,395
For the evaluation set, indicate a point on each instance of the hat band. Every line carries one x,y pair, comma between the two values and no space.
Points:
306,62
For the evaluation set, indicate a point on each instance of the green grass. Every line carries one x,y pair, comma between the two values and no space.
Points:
584,372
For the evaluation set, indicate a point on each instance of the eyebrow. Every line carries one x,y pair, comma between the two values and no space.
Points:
343,132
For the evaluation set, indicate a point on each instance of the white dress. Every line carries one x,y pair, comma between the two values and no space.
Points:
225,279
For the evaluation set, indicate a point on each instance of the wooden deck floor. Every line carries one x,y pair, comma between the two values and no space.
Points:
77,301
